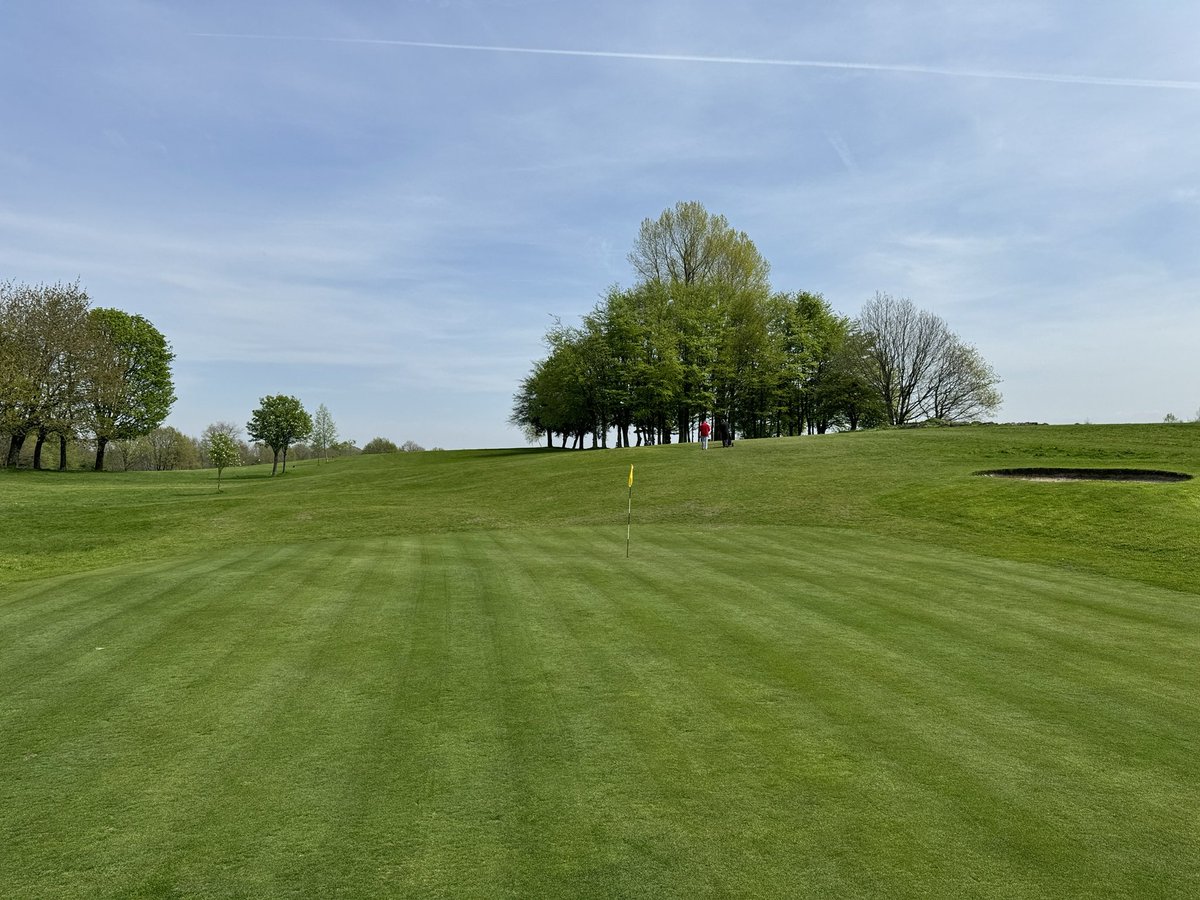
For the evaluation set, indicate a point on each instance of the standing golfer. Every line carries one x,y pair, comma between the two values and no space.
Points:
705,431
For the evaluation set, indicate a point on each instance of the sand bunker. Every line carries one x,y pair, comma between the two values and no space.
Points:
1055,474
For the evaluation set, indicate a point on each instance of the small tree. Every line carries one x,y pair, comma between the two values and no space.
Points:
324,432
229,429
411,447
278,421
223,451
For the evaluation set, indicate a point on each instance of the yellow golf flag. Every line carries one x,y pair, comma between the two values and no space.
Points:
631,474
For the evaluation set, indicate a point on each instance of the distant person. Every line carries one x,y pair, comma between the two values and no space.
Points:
705,431
726,434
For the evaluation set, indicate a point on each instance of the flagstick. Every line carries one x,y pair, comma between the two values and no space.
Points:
629,515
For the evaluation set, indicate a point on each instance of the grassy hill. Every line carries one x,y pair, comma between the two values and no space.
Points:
834,666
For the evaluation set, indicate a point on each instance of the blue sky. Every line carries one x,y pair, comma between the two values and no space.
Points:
314,199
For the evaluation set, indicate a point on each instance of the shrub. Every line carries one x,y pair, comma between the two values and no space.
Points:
379,445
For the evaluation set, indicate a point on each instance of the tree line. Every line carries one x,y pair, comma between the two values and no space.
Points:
98,381
69,370
167,448
701,334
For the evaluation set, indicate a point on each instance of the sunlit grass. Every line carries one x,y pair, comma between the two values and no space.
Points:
831,667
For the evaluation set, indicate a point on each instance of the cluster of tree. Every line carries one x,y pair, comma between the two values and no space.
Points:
101,378
69,371
702,334
383,445
277,428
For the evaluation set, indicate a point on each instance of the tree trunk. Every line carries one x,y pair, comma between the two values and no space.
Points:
285,449
62,453
37,447
101,445
274,462
15,442
549,439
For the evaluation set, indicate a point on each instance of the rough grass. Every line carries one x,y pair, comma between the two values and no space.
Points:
831,667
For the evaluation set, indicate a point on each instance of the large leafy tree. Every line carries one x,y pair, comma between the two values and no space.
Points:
640,326
43,340
837,394
278,422
717,283
127,377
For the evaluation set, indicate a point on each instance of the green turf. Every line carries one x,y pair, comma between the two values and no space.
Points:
832,667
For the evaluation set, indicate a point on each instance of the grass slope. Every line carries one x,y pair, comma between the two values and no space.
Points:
831,667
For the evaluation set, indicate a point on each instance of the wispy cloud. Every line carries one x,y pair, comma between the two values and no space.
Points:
845,65
388,225
838,143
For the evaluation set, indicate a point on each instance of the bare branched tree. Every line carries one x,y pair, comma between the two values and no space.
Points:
963,386
919,368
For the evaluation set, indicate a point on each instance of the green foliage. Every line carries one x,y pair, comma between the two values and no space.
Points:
279,420
160,450
344,448
689,245
379,445
656,358
223,452
701,334
128,377
44,342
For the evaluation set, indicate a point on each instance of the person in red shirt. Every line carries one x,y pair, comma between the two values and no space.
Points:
705,431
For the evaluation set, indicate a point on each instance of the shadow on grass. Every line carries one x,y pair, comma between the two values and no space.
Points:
1060,474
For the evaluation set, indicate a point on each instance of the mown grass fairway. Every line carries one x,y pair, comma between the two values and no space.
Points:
833,667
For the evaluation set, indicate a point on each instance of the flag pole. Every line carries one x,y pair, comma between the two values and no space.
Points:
629,514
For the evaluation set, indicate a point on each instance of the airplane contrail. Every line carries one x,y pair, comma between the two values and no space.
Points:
941,71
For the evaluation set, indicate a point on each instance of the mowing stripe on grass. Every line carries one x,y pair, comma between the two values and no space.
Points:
771,711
